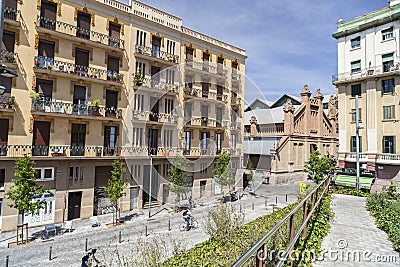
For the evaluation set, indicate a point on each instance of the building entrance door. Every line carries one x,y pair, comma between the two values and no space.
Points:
74,205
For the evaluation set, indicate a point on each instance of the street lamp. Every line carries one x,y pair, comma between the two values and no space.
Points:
358,127
151,176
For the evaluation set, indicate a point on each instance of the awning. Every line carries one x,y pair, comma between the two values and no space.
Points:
348,180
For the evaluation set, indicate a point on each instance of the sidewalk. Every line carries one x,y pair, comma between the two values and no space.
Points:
354,239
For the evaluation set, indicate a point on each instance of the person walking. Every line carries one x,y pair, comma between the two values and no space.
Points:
89,259
188,217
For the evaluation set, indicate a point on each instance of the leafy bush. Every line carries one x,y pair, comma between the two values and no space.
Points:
317,229
214,252
349,191
385,207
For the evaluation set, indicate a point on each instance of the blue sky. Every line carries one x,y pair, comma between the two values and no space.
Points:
288,43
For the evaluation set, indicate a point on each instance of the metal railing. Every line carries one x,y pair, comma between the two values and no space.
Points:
11,14
85,71
58,151
235,76
155,117
161,85
156,53
367,72
8,57
83,109
74,30
256,256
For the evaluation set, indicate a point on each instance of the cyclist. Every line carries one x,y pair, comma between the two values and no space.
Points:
188,217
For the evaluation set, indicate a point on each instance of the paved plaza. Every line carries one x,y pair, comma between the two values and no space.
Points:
354,239
68,249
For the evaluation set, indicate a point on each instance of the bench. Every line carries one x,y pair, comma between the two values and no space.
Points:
50,229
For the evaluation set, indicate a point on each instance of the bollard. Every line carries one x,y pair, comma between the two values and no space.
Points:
266,202
252,206
276,200
240,208
119,237
50,253
7,259
86,244
145,231
169,225
286,197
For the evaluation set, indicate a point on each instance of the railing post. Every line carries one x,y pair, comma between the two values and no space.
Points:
304,218
313,197
291,227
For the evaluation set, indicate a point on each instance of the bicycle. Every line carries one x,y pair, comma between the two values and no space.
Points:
193,225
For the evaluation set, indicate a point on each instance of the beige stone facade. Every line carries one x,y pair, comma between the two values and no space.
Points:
284,136
78,107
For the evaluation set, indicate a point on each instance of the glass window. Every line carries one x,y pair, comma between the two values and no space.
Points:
387,62
353,115
356,66
389,112
388,86
356,90
387,34
389,144
356,42
353,145
2,177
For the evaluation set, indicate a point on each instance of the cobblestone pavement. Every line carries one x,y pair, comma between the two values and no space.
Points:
68,248
354,239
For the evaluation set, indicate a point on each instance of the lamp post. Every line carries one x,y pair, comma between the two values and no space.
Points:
151,177
358,127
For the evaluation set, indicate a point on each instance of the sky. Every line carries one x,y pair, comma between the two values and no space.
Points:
288,43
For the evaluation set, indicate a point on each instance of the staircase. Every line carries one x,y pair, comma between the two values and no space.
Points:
152,204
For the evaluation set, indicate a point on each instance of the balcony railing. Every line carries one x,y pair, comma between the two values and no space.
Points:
155,117
7,102
73,30
65,67
206,122
236,76
205,94
59,151
156,53
367,72
8,57
11,14
235,101
160,85
84,109
388,157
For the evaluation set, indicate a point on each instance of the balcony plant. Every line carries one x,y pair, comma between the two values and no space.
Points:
10,101
96,107
35,96
137,77
95,73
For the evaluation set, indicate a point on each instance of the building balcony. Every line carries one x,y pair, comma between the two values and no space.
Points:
206,68
9,58
156,118
7,103
68,31
12,16
144,151
158,86
205,122
391,159
65,109
362,74
156,54
236,102
70,70
206,95
351,157
236,77
236,126
58,151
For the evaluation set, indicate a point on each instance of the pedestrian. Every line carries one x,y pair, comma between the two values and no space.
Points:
89,259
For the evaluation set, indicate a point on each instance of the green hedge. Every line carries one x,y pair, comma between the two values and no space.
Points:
214,253
386,210
349,191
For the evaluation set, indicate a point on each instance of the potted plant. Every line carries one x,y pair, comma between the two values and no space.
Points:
96,107
95,73
35,96
137,77
10,101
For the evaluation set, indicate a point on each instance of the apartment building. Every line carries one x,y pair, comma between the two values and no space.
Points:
368,66
75,106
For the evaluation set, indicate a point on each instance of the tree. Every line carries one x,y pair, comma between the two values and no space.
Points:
318,167
116,186
178,177
25,189
222,173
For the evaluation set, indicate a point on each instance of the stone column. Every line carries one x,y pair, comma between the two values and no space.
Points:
319,123
305,99
288,123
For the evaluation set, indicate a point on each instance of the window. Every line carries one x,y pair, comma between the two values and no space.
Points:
167,138
388,86
233,141
44,173
136,171
189,81
112,68
11,10
356,90
356,42
156,47
218,141
165,170
389,144
3,136
203,168
389,112
76,173
387,62
205,87
188,111
170,76
114,33
110,140
356,66
353,145
169,106
218,112
111,103
353,115
78,138
387,34
141,38
83,25
138,104
137,140
170,47
186,140
233,165
2,178
142,67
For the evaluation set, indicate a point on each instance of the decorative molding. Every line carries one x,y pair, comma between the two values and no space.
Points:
36,41
34,82
83,10
31,122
